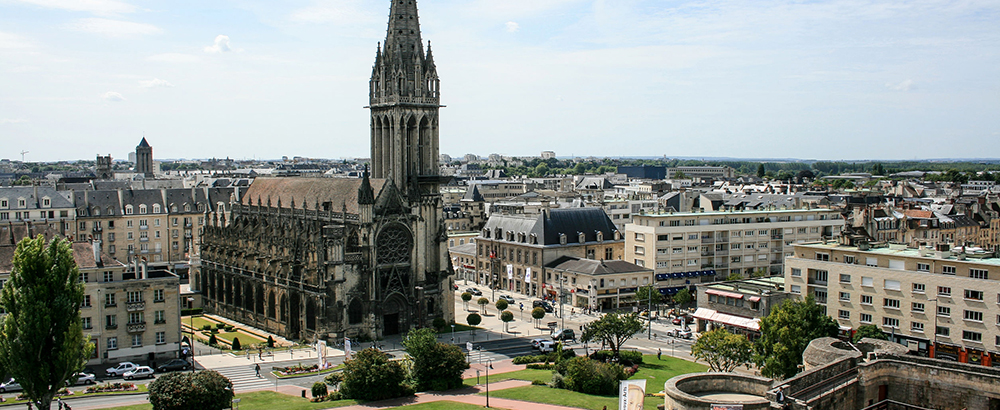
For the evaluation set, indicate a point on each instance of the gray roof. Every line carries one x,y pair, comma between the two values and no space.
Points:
548,225
33,197
473,194
592,183
595,267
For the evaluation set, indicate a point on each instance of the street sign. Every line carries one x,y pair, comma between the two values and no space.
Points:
468,346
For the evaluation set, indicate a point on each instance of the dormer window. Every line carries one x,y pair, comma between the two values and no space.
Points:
111,211
618,235
582,237
187,207
97,211
534,239
3,203
173,208
156,208
600,236
21,203
142,209
46,202
486,233
562,239
128,209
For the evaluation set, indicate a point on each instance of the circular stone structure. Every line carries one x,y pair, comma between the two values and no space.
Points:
826,350
699,391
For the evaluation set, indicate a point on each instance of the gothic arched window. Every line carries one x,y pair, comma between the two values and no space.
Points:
393,245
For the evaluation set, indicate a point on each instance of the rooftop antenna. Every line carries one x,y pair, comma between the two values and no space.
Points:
22,156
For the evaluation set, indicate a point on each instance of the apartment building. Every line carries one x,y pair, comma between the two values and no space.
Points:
597,284
694,247
939,303
37,205
738,305
702,172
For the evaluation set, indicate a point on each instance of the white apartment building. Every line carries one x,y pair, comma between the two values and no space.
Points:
939,303
694,247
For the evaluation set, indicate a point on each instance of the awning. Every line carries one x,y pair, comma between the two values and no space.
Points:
754,298
717,292
738,321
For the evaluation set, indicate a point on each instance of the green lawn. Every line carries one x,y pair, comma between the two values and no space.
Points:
443,405
267,400
245,338
198,322
526,374
656,372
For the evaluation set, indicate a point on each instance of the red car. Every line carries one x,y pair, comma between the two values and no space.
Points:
683,319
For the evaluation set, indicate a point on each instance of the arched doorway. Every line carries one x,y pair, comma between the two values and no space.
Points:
394,315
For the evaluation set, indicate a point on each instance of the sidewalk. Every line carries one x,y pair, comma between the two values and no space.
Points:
468,395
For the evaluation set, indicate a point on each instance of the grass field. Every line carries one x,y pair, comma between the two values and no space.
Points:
527,375
443,405
245,338
267,400
656,372
198,322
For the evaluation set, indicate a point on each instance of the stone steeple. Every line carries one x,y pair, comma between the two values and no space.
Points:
144,159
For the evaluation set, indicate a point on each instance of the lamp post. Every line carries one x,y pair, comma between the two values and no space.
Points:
452,334
191,341
488,367
935,326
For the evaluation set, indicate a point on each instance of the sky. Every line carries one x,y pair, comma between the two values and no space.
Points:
838,79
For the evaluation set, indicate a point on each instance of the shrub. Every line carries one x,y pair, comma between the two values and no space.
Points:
178,391
592,377
436,366
236,344
220,325
439,324
212,340
538,383
206,327
334,379
229,328
474,319
270,341
371,376
628,357
537,366
319,389
558,381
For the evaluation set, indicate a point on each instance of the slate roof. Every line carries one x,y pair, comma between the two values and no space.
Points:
594,267
337,191
473,194
549,224
108,201
33,197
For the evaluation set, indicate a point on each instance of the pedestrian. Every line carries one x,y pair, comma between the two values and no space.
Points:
659,353
256,368
260,353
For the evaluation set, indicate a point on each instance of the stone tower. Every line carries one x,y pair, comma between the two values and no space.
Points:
103,168
144,159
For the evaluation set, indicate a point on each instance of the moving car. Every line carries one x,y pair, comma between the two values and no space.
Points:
11,385
542,304
474,292
546,346
85,378
141,372
120,369
564,334
680,333
176,364
508,298
683,319
536,342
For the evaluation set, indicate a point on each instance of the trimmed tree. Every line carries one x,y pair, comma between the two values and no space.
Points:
614,329
236,344
473,320
482,304
506,317
42,344
723,351
785,333
270,341
370,376
466,297
537,313
206,389
501,305
870,332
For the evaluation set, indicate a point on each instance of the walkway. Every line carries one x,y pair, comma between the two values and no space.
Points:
468,395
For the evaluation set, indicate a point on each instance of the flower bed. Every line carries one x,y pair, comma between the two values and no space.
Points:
112,387
60,393
297,369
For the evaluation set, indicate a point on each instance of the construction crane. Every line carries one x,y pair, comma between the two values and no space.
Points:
22,156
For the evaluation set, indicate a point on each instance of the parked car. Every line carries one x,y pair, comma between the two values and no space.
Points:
683,319
536,342
542,304
85,378
508,298
564,334
474,292
176,364
11,385
141,372
120,369
546,346
680,333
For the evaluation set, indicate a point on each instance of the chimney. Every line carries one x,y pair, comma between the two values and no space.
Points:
96,245
143,272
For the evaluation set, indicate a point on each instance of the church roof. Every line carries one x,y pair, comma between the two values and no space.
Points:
337,191
143,143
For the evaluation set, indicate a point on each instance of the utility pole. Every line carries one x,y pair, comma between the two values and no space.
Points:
22,156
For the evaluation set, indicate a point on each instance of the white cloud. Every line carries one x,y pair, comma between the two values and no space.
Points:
100,7
12,41
906,85
155,83
12,120
173,58
221,45
114,28
112,96
513,27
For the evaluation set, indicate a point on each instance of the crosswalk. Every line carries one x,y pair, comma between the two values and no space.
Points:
245,379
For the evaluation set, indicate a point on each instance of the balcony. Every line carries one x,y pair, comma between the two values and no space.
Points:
143,239
136,327
817,282
135,306
160,322
111,326
98,229
187,225
707,239
110,305
187,235
143,227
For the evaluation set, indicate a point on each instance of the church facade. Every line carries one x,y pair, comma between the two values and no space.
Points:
323,258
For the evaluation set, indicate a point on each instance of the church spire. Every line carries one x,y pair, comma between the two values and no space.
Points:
403,34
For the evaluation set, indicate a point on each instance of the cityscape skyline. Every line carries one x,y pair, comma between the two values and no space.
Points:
256,80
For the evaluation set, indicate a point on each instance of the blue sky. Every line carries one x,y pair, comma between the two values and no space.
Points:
839,79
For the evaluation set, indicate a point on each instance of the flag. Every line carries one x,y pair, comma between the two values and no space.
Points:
527,275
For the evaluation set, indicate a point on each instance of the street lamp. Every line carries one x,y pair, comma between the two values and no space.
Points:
191,324
488,367
453,333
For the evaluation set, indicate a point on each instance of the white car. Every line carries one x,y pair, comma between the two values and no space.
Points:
121,369
680,333
546,346
85,378
11,385
536,342
141,372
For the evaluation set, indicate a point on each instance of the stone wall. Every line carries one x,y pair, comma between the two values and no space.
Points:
681,391
930,384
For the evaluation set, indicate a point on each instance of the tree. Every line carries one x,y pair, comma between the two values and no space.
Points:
786,332
206,390
466,297
474,319
537,313
761,171
506,317
870,332
212,340
501,305
723,351
482,304
41,338
734,276
370,376
593,377
270,341
683,297
236,344
680,175
436,366
613,328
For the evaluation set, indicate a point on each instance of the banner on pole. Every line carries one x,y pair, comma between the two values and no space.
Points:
347,348
631,394
527,275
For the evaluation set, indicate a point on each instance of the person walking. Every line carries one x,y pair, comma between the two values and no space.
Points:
256,368
659,353
260,353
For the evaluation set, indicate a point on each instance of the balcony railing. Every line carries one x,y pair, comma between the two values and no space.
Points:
136,327
135,306
143,227
111,326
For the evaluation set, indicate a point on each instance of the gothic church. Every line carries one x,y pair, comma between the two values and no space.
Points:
323,258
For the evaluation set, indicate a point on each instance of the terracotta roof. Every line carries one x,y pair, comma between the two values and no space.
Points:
914,213
337,191
83,254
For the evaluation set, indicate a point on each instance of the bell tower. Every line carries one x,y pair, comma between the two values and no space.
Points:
404,100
